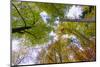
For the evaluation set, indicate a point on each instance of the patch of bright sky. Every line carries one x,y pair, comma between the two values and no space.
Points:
75,12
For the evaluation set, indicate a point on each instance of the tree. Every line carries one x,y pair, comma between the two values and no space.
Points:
27,23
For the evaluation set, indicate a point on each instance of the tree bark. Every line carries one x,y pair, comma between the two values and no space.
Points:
20,29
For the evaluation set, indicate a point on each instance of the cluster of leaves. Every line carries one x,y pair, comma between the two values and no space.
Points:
27,14
89,12
64,51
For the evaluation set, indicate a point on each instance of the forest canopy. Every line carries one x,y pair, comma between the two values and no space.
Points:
52,32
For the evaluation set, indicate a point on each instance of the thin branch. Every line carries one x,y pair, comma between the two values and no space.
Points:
19,14
50,58
20,60
31,34
78,20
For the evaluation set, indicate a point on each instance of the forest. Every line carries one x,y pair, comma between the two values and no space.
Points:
50,33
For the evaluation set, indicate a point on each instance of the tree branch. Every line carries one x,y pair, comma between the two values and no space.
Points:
19,14
20,29
78,20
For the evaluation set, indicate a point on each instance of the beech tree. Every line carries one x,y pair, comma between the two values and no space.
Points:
26,21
